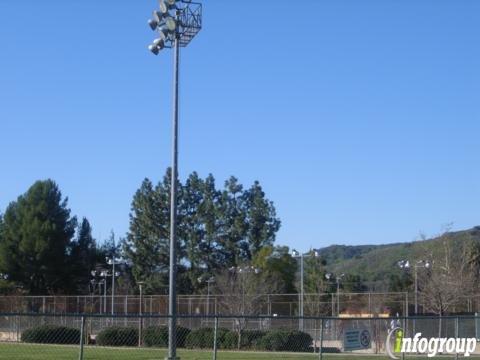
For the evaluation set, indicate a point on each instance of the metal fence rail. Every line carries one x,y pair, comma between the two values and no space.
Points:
83,336
268,304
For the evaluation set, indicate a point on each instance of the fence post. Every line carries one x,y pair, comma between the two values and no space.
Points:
215,339
140,331
456,334
82,338
320,349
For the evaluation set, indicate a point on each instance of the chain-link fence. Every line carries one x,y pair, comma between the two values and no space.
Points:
46,336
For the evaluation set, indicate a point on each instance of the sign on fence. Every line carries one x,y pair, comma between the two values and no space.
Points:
356,339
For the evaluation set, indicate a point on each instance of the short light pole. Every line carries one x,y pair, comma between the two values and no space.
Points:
208,281
93,284
177,23
112,262
101,283
301,256
406,265
330,276
104,274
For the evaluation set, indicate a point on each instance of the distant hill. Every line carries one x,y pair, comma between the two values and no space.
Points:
377,264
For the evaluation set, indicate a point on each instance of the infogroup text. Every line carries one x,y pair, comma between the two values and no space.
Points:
429,346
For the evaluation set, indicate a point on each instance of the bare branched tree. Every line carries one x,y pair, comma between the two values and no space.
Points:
242,292
449,280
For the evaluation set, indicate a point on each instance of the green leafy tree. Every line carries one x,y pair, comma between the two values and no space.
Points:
261,218
37,235
212,254
232,238
276,263
83,256
147,243
216,229
191,226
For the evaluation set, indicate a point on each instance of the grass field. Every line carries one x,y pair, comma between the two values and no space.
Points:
52,352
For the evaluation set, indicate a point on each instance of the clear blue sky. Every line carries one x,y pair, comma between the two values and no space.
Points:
359,118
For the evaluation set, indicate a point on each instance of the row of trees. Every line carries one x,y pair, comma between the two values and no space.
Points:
44,249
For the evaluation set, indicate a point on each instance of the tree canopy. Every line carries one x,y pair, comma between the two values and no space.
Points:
36,238
217,228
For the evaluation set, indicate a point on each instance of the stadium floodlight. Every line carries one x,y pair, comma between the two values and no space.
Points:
166,5
177,23
157,46
170,24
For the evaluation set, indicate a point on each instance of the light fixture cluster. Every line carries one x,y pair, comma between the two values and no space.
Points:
175,19
165,23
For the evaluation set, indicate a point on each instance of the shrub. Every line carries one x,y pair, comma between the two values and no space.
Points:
250,340
274,340
229,341
51,334
118,336
299,341
283,340
203,338
157,336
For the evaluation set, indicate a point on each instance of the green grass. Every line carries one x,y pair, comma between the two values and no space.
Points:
16,351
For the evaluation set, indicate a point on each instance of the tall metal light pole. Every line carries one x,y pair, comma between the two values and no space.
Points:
297,255
177,23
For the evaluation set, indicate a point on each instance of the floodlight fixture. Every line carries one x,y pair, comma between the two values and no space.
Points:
166,5
153,24
158,44
170,23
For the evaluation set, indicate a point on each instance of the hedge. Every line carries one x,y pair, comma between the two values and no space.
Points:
284,340
250,340
118,336
274,340
203,338
157,336
51,334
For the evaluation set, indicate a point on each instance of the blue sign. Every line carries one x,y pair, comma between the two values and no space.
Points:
356,339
